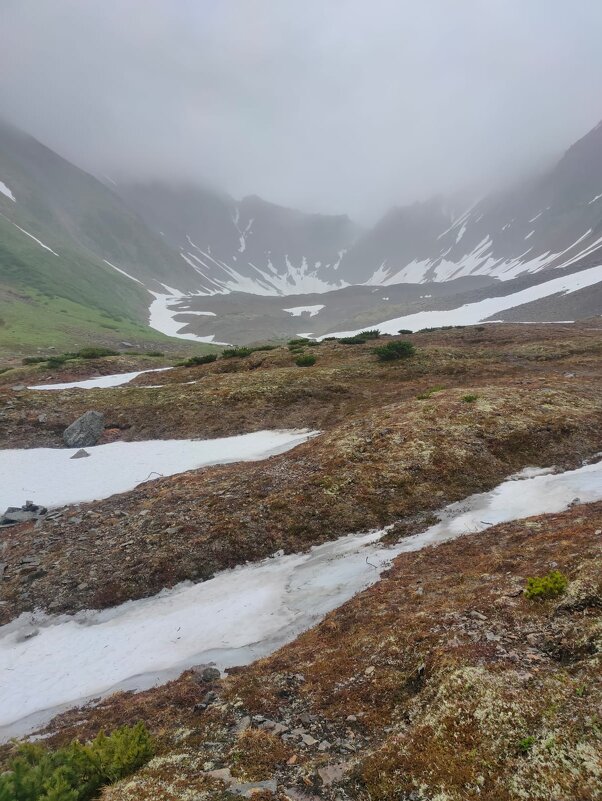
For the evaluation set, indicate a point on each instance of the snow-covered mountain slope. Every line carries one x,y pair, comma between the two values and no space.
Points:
553,221
247,246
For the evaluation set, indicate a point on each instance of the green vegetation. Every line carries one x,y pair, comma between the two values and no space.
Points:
236,353
296,345
75,772
405,331
429,393
395,350
34,359
305,360
194,360
95,353
470,398
154,353
540,588
371,333
526,744
356,340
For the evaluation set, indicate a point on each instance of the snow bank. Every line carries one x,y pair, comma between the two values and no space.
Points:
297,311
49,477
472,313
162,317
4,190
102,382
51,662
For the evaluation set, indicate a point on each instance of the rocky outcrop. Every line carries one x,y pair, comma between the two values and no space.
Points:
85,431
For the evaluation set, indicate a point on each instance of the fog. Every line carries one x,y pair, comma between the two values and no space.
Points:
326,105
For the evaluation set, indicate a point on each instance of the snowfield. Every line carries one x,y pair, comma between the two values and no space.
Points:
4,190
50,477
472,313
102,382
49,663
297,311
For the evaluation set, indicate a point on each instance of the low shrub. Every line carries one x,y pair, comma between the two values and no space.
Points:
75,772
429,393
356,340
371,333
525,745
95,353
258,348
330,339
56,361
470,398
154,353
236,353
306,360
540,588
194,360
395,350
33,359
405,331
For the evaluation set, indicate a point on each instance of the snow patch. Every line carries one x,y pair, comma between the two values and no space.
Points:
50,477
297,311
239,615
102,382
4,190
123,272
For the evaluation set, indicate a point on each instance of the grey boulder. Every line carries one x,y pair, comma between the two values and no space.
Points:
85,431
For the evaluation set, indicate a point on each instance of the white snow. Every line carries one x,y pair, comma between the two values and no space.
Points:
162,317
476,312
101,382
4,190
594,199
52,662
297,311
530,234
31,236
123,272
48,476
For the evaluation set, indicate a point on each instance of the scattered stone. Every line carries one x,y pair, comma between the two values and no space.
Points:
19,387
308,739
85,431
332,773
80,454
30,511
324,746
206,673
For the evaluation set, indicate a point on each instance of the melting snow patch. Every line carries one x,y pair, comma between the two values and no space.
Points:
162,317
123,272
102,382
49,477
4,190
297,311
238,616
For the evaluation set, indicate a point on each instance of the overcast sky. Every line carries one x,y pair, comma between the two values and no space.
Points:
329,105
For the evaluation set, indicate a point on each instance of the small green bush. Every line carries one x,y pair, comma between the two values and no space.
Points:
395,350
470,398
356,340
405,331
33,359
371,333
296,342
540,588
155,353
55,362
312,343
236,353
96,353
77,771
330,339
526,744
429,393
194,360
259,348
306,360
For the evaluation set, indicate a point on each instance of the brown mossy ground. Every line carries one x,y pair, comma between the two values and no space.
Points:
384,455
442,681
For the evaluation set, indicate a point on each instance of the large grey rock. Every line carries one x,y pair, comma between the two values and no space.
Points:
85,431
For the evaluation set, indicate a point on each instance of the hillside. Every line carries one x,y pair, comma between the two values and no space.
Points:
375,663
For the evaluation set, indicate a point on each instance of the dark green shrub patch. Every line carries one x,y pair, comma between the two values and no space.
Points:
95,353
371,333
236,353
470,398
405,331
395,350
194,360
306,360
540,588
76,772
34,359
356,340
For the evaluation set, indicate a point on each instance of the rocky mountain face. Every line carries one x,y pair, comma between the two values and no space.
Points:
258,247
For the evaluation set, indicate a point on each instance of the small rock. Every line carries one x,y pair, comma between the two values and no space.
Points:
332,773
369,670
206,672
324,746
308,739
477,615
80,454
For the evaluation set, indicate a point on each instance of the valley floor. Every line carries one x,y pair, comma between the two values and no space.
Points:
442,681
